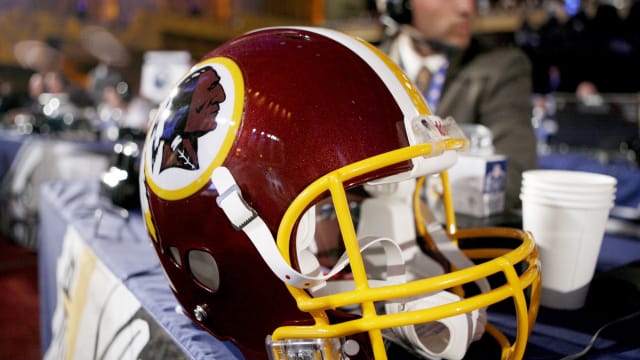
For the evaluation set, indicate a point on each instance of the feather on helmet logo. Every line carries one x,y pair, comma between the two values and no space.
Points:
194,129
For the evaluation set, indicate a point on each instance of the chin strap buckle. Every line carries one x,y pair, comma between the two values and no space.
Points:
230,200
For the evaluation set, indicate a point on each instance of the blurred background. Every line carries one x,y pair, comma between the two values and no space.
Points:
568,41
581,50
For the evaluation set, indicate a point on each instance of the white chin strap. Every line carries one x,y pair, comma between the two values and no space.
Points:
446,338
246,219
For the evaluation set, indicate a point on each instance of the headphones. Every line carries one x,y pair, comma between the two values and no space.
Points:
399,11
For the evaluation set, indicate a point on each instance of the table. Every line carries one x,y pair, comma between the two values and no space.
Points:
122,247
10,143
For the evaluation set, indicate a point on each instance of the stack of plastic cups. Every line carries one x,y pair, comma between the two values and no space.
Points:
566,211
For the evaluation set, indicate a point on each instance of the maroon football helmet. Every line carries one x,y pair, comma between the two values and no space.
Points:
260,131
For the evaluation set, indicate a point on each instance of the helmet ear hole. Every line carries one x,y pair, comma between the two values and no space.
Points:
204,269
175,255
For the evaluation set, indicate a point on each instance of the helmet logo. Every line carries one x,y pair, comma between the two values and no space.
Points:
194,129
194,118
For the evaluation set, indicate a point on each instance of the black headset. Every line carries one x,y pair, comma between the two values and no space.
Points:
399,11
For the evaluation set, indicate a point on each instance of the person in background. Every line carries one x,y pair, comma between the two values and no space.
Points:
10,98
120,111
461,77
55,82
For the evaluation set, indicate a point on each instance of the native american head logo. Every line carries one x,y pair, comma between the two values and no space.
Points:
194,128
192,114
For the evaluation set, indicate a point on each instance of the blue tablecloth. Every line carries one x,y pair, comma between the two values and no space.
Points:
123,247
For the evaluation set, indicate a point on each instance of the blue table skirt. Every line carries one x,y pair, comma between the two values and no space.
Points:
123,247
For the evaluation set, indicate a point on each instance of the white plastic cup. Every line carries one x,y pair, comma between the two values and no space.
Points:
568,236
566,211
